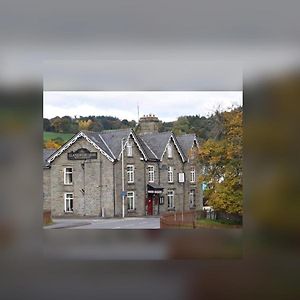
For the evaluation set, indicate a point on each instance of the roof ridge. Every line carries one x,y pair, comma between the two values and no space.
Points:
187,134
107,146
90,131
148,147
114,130
156,133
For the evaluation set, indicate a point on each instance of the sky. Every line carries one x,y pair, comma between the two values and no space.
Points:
167,106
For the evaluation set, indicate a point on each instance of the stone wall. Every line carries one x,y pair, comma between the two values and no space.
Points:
46,189
138,187
92,183
101,181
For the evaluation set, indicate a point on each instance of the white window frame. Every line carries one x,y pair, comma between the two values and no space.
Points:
66,173
170,199
66,198
192,197
129,149
151,173
170,174
131,200
169,150
193,174
130,174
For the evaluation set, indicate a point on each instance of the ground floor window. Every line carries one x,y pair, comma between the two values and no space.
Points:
130,198
68,202
192,198
171,203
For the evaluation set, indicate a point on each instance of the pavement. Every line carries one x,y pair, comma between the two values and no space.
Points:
113,223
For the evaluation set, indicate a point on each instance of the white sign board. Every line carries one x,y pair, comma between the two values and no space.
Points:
180,177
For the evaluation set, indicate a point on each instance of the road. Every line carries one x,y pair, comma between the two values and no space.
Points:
98,223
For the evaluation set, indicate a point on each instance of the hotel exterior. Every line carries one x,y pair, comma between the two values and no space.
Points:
93,175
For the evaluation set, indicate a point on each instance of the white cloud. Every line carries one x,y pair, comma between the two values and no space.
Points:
166,105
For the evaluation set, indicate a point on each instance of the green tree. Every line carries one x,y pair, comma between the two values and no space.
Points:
222,164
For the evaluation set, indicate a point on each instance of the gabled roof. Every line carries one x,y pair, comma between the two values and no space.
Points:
90,137
109,143
46,154
98,139
186,142
113,139
147,149
157,141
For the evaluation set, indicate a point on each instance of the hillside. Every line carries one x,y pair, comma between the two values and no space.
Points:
58,130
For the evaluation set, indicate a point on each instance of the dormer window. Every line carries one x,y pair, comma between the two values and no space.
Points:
170,151
129,149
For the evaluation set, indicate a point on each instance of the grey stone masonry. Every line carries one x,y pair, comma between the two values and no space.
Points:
89,182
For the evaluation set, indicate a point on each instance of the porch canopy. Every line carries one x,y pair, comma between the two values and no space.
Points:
154,188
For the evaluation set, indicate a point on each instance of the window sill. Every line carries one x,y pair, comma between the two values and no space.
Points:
69,212
171,209
131,182
131,210
68,184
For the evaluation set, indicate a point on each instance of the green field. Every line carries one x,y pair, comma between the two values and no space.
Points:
53,135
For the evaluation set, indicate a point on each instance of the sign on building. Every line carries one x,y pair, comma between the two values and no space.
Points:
82,154
181,177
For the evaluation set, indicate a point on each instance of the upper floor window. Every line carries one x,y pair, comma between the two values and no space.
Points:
193,174
68,202
151,173
171,203
192,198
170,151
68,176
129,148
170,174
130,173
130,199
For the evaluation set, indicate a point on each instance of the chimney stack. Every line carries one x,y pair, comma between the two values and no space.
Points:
149,124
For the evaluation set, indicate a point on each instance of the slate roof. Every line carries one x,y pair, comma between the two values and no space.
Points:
186,142
152,145
157,141
101,142
47,153
113,138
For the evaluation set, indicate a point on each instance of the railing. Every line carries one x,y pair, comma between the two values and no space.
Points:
188,219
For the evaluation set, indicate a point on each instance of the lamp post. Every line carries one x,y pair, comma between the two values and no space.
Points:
123,183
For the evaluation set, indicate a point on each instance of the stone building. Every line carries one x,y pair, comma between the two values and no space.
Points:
84,177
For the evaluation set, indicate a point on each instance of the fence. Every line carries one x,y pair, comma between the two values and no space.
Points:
47,217
187,219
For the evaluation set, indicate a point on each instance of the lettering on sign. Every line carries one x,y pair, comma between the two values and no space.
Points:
82,154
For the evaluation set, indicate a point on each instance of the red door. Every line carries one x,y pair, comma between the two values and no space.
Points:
149,206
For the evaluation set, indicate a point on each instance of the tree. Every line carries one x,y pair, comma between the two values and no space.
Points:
85,125
181,126
51,144
47,125
222,164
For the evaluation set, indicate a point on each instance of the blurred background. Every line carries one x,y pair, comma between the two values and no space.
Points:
166,46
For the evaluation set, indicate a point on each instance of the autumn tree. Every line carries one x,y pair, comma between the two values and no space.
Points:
222,164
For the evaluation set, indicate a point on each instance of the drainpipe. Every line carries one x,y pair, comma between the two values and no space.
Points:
100,183
114,187
123,183
83,166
